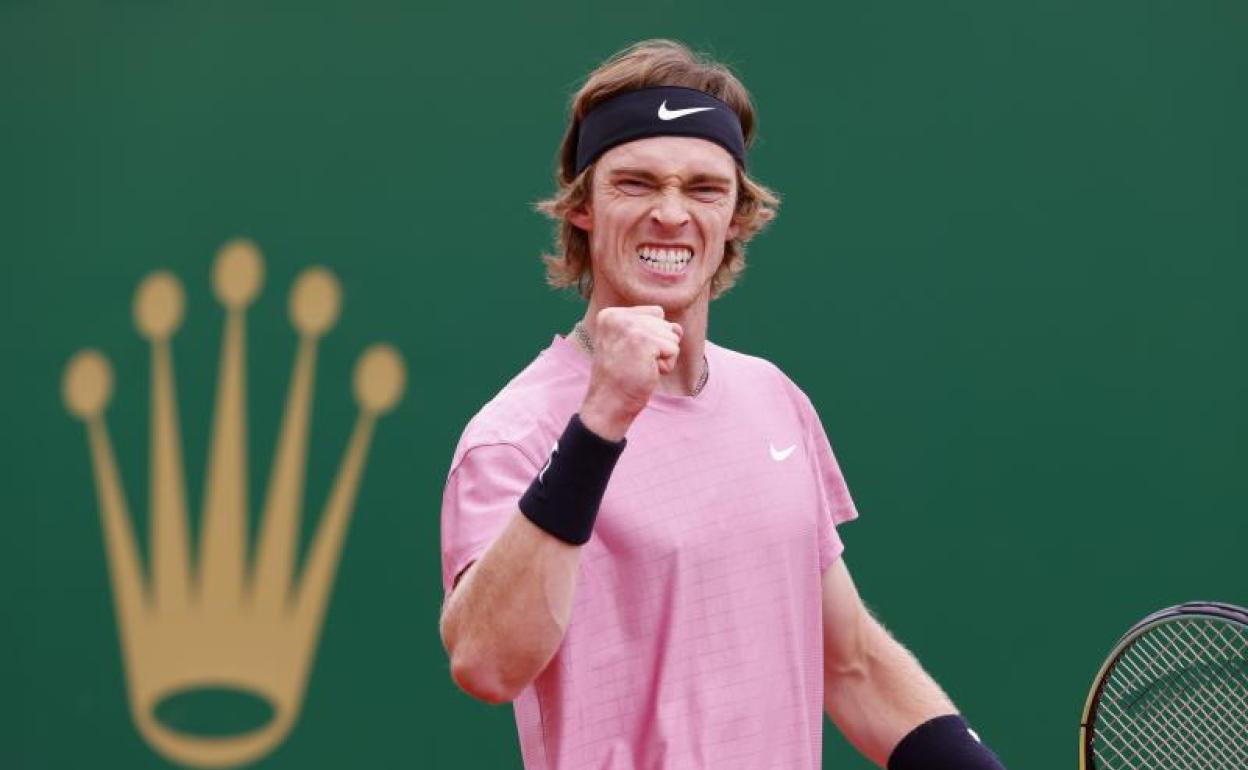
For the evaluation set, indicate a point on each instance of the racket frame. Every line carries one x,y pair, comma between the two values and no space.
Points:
1218,610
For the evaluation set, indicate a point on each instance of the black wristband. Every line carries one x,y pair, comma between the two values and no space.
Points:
564,498
943,743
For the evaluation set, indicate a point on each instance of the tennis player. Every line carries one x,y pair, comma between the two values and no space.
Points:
639,531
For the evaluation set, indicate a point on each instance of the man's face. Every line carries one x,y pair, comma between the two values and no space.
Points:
659,214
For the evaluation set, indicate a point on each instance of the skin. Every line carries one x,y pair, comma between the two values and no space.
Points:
506,617
662,191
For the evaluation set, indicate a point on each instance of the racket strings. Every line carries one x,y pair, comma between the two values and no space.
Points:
1188,692
1193,711
1177,698
1188,710
1169,740
1232,666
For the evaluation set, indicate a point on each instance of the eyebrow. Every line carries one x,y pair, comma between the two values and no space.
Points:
699,178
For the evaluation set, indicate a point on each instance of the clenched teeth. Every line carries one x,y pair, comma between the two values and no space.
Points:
678,255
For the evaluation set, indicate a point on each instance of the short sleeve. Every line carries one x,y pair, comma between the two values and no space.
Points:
836,504
482,492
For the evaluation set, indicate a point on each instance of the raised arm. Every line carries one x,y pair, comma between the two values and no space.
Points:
506,617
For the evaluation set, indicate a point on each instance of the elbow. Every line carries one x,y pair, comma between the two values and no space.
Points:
498,677
842,671
481,684
859,654
849,659
491,668
466,676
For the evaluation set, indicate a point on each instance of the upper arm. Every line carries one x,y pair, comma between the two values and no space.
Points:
845,620
446,600
835,505
479,499
461,574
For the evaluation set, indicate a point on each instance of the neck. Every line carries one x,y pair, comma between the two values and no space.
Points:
693,323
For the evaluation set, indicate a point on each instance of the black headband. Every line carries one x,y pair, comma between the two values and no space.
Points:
661,111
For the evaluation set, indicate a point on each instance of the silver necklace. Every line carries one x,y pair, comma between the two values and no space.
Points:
582,334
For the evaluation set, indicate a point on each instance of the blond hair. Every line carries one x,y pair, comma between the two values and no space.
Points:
643,65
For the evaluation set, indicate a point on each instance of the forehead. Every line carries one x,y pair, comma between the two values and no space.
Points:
666,155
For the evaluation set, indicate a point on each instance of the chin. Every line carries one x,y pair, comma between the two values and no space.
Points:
672,301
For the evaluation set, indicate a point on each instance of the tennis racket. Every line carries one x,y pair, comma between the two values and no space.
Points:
1172,694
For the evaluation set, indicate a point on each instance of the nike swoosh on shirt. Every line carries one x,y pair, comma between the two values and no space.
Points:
780,455
666,114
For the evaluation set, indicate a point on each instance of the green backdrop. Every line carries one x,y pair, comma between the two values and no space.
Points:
1009,270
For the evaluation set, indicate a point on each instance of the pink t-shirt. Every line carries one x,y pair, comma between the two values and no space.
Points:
695,639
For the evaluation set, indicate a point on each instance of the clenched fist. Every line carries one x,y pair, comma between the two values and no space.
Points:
633,346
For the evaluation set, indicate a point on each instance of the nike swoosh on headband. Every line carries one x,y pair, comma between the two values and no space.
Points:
666,114
630,116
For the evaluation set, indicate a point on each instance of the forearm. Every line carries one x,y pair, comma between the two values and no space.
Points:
880,693
508,614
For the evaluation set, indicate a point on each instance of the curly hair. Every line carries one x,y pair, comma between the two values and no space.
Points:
647,64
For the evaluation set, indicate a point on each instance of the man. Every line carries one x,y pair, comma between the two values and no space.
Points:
695,611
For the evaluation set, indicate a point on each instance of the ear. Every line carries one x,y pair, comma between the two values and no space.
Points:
733,229
582,217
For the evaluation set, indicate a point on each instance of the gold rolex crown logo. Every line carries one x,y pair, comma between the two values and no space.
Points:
219,622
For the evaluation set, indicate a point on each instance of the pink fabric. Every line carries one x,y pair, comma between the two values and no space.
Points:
696,632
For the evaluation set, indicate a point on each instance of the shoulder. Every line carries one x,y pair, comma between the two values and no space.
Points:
760,377
527,411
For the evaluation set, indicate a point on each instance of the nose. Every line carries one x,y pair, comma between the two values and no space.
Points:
669,210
